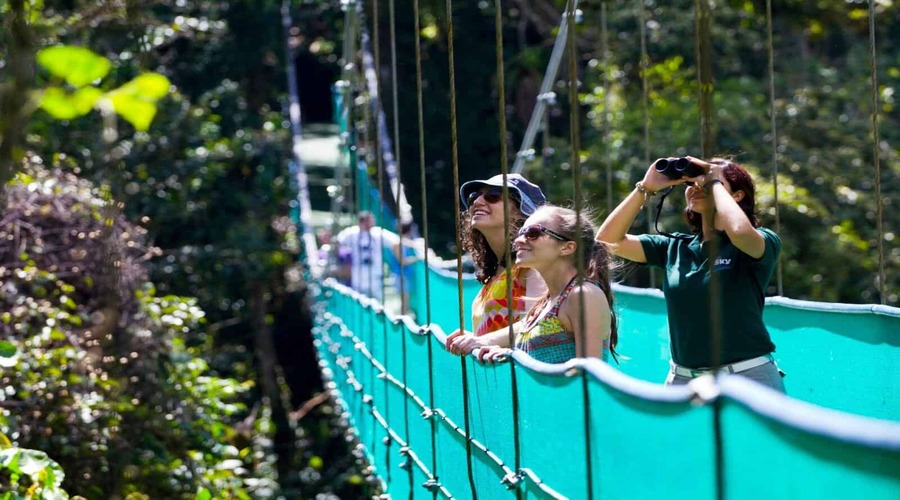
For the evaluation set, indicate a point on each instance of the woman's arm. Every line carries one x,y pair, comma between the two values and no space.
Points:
463,342
736,224
614,230
730,215
590,325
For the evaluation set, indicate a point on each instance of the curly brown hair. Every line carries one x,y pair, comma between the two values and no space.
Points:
486,261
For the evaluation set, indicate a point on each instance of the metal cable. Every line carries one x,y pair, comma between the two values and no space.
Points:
773,125
645,64
703,47
454,149
507,257
879,209
380,162
424,199
575,140
309,239
604,37
396,107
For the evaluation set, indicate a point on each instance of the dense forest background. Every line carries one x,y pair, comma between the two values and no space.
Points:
154,324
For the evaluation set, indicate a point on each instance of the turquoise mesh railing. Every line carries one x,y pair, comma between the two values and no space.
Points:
824,348
642,439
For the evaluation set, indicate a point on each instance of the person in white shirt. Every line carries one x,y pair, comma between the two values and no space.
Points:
365,243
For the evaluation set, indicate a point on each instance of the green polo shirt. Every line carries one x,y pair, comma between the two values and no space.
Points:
743,282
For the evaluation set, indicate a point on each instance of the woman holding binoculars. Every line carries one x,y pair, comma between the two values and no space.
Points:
721,207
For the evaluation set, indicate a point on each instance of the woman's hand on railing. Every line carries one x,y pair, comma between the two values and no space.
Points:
461,342
492,354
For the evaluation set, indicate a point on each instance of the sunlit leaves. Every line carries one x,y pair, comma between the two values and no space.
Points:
78,66
136,100
82,70
64,105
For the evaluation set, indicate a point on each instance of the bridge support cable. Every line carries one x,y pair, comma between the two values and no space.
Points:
383,154
607,133
546,97
575,144
773,125
309,239
397,199
420,114
382,135
879,202
507,244
645,111
454,150
703,47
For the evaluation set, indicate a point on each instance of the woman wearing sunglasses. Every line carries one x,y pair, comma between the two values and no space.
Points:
574,318
484,236
720,208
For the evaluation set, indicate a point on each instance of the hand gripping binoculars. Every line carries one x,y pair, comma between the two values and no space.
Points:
676,168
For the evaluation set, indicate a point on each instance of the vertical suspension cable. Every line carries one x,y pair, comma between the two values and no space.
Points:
380,174
424,199
575,141
504,164
344,119
309,239
607,158
396,107
507,257
703,47
454,147
645,65
879,209
773,125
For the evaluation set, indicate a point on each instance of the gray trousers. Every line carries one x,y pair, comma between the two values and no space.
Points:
767,375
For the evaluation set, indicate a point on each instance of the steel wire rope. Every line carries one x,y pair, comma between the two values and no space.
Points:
396,108
296,126
879,208
604,51
347,104
770,46
645,64
703,48
507,256
424,197
454,152
575,143
376,41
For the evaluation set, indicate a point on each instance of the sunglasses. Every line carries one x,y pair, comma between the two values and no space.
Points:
490,196
535,231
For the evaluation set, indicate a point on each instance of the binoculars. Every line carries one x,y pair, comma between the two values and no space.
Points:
676,168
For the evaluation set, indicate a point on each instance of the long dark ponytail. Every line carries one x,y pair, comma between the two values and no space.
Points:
595,255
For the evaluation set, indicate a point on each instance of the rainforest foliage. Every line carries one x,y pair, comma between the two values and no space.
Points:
153,322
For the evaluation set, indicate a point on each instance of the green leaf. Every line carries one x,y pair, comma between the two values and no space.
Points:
9,355
77,65
203,494
63,105
136,100
149,86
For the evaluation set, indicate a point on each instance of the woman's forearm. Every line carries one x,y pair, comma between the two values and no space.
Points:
615,227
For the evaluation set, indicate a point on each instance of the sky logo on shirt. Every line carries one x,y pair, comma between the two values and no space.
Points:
722,263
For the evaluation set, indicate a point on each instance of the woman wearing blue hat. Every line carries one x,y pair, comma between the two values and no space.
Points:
487,239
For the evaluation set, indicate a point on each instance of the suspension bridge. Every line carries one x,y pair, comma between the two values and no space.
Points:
433,425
